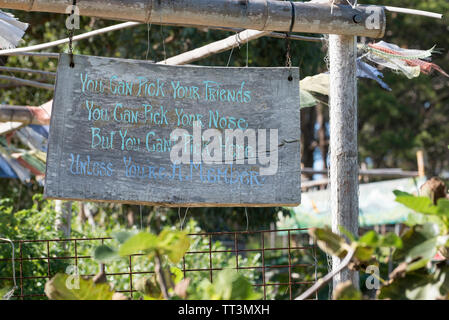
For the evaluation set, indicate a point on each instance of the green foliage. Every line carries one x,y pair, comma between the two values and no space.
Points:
364,247
58,289
171,243
421,243
228,285
419,284
425,210
329,242
36,222
415,277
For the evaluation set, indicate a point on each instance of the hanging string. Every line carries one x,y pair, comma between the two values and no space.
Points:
247,219
71,31
230,55
10,293
181,221
237,39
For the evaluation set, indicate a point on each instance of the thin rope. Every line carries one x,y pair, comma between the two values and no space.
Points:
184,219
230,55
237,39
10,293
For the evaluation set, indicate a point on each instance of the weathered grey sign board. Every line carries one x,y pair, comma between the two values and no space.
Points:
112,121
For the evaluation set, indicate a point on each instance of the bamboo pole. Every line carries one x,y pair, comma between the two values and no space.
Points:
343,141
50,55
263,15
215,47
414,12
66,40
30,83
26,70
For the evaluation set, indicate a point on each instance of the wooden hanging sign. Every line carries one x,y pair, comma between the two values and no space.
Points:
137,132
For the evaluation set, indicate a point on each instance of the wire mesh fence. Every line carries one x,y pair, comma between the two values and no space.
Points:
280,264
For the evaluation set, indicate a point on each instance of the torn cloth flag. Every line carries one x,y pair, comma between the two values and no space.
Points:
364,70
410,62
11,30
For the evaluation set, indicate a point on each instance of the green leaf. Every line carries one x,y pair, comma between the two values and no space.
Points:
418,204
418,285
420,244
391,240
105,254
415,236
142,241
174,244
443,207
122,236
346,291
60,287
363,253
329,242
228,285
177,274
398,193
370,238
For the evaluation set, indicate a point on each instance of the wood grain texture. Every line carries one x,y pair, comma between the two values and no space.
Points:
343,143
274,105
263,15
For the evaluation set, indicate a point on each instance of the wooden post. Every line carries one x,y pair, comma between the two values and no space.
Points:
420,161
343,141
64,217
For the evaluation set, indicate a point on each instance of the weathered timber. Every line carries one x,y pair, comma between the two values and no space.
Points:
343,142
78,165
263,15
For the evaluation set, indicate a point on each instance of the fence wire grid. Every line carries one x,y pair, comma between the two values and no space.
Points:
280,264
